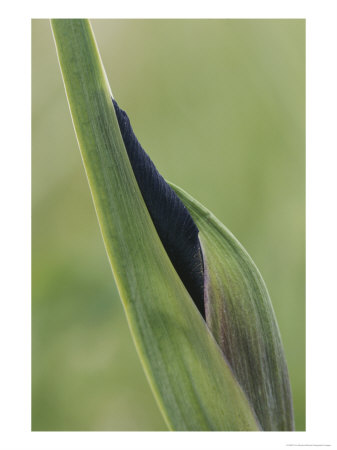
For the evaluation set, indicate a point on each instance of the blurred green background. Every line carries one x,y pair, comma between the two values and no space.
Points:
219,105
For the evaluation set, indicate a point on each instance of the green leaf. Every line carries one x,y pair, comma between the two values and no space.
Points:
193,383
240,316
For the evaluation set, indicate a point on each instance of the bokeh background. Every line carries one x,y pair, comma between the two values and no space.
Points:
219,105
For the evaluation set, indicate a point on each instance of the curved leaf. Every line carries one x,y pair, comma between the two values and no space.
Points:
191,380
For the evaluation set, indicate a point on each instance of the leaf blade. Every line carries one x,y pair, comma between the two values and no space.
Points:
193,384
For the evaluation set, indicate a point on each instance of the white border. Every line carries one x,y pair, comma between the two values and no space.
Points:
321,224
